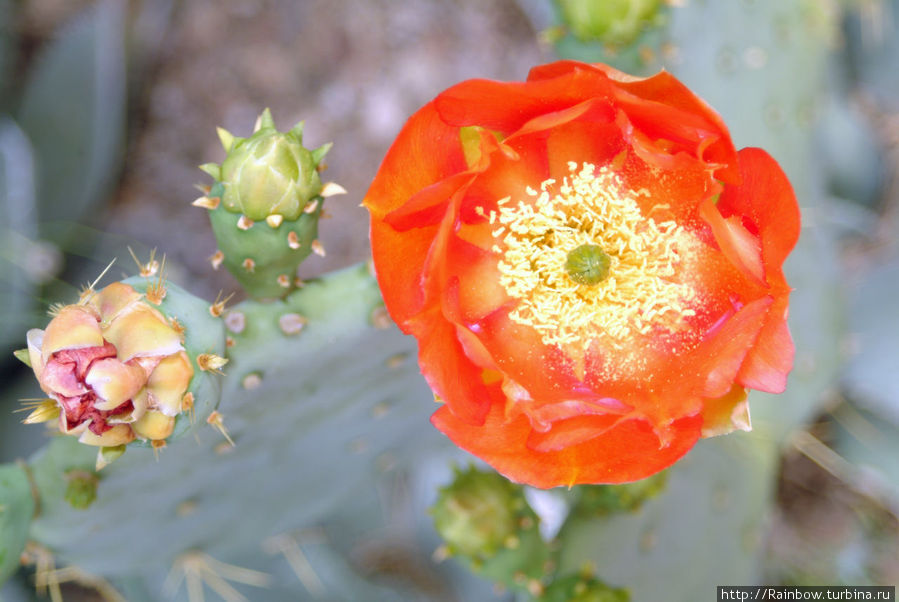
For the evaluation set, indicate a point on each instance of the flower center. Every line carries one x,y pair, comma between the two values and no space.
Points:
587,265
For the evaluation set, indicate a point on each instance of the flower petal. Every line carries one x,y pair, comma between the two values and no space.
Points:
35,340
722,354
74,327
410,166
113,300
767,202
740,246
168,382
142,332
449,371
506,106
114,382
120,434
771,358
627,452
726,414
154,426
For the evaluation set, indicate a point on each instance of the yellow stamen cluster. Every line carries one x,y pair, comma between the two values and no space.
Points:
644,288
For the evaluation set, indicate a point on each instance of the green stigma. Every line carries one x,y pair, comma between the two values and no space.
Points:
588,264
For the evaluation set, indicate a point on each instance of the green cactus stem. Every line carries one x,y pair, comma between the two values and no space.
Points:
17,507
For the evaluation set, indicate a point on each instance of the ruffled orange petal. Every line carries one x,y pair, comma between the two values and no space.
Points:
506,106
448,370
722,354
410,166
643,99
771,358
627,452
766,200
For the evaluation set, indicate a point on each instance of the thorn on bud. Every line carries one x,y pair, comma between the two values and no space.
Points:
284,281
311,207
293,240
292,324
207,203
226,138
274,220
229,342
245,223
249,265
210,362
216,260
318,248
332,189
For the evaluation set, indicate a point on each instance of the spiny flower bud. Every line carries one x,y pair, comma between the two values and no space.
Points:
269,173
578,588
486,519
616,23
605,499
118,363
478,513
265,205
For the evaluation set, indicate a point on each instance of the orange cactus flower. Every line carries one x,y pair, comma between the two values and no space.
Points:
593,272
115,367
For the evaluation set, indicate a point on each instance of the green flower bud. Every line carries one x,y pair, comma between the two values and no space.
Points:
269,173
605,499
486,519
615,22
82,489
577,588
477,514
265,205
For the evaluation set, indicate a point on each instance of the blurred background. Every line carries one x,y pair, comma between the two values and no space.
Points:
107,107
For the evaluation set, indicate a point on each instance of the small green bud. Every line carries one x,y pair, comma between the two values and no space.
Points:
477,513
82,489
579,588
605,499
485,519
269,173
615,22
